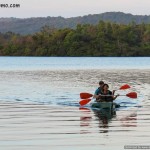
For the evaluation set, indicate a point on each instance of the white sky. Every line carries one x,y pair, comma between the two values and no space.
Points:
72,8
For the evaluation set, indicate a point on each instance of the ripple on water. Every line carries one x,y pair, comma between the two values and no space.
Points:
37,111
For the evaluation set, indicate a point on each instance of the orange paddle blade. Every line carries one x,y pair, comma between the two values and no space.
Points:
85,95
84,101
132,95
124,87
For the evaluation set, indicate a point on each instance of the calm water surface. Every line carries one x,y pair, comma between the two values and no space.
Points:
45,63
39,103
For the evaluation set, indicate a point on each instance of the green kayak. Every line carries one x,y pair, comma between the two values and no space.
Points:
103,105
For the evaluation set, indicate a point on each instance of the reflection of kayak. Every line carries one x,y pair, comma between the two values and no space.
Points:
103,105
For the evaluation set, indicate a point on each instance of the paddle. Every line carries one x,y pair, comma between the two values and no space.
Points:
85,95
130,95
88,95
124,87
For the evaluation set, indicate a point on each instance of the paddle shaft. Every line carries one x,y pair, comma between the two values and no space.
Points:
112,95
131,95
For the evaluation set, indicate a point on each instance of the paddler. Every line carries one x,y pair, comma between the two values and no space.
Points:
106,95
98,90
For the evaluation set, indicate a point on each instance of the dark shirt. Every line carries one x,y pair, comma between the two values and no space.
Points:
106,98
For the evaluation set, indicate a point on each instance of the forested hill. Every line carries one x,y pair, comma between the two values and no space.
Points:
32,25
103,39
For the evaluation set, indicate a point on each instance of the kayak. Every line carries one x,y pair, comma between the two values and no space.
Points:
104,105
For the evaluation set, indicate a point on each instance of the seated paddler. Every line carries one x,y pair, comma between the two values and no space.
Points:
105,95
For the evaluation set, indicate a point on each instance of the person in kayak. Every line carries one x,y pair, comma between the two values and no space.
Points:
98,90
104,94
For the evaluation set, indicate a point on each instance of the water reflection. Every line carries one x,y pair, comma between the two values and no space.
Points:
104,116
129,120
85,120
86,117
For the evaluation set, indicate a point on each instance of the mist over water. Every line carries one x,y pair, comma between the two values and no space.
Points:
39,103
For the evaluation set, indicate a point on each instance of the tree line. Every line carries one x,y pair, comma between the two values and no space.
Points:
103,39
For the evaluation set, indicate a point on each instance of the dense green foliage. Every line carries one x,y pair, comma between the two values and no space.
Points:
103,39
32,25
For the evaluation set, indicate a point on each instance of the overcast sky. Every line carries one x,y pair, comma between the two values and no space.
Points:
72,8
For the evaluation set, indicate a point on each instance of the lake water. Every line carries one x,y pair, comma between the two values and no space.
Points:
39,103
46,63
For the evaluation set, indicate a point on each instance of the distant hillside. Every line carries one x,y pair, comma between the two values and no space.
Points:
32,25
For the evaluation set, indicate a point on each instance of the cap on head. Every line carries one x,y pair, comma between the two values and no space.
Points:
101,82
